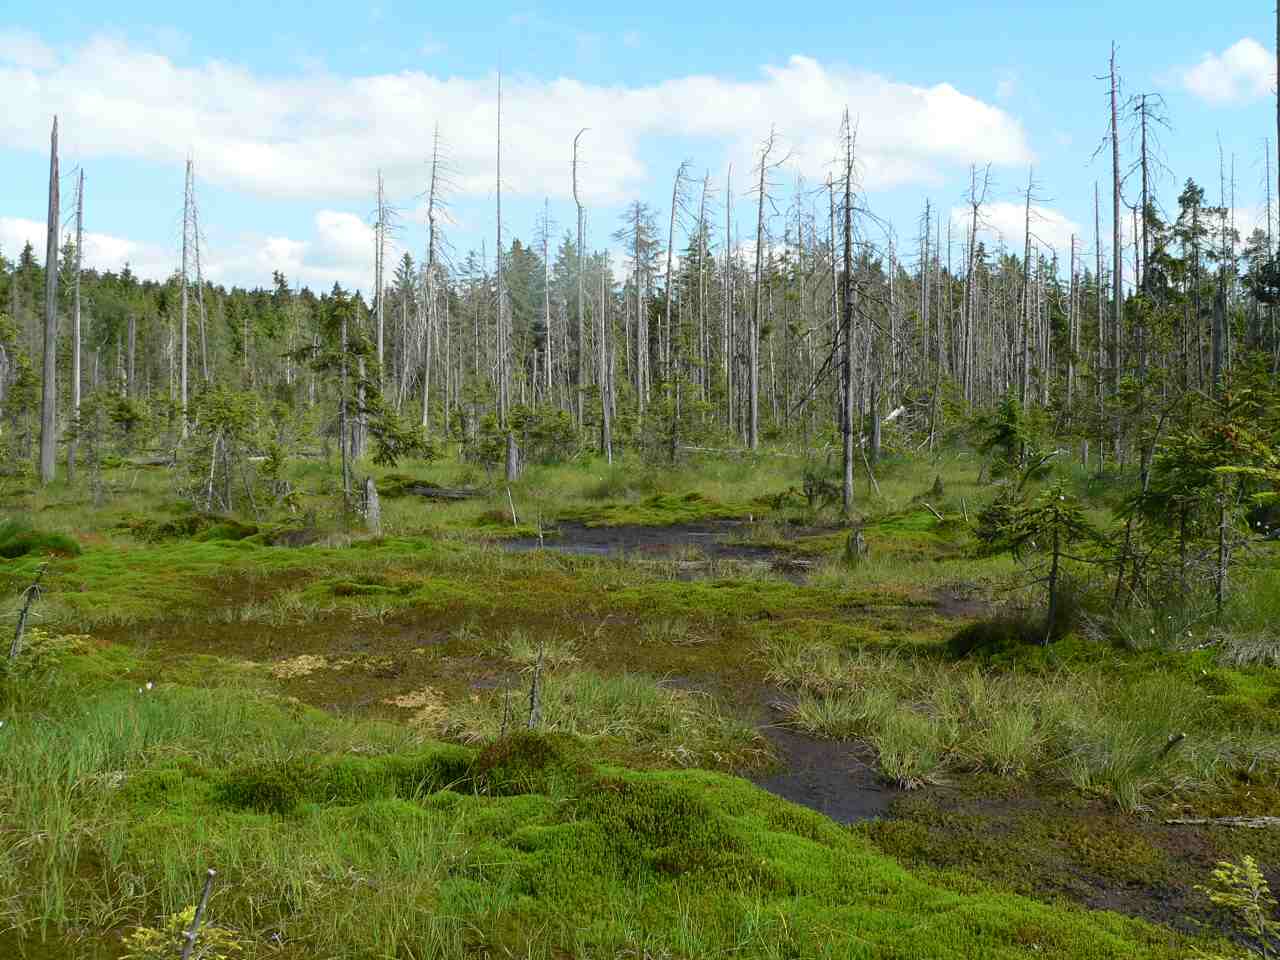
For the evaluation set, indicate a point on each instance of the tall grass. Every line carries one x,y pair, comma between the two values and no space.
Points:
1116,735
637,713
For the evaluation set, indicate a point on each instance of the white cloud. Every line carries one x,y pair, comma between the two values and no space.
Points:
25,50
102,251
1245,71
340,250
1005,222
313,134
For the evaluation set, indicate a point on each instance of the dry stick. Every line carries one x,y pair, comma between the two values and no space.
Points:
32,592
964,509
870,474
515,522
199,917
535,691
934,512
1255,823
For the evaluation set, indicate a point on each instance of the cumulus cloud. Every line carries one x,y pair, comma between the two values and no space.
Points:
314,134
22,49
1005,222
1245,71
102,251
340,250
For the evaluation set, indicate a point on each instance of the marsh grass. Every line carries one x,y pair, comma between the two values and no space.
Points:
677,631
638,715
1104,734
522,649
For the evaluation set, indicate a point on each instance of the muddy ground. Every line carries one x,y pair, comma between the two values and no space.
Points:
1048,843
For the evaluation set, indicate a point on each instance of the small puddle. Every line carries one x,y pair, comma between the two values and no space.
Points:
826,776
695,543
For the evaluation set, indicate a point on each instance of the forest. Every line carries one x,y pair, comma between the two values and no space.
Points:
779,588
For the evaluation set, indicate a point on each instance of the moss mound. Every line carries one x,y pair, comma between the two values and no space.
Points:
527,762
18,539
286,786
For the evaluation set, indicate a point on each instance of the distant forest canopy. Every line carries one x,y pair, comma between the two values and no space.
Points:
814,329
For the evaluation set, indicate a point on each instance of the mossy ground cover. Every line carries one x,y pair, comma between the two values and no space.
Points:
298,691
338,838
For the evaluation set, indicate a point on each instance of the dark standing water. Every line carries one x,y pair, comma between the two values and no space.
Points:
691,542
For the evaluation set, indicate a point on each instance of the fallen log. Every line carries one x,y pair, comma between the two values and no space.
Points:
429,492
1253,823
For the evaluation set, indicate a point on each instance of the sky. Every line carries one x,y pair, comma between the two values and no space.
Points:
289,111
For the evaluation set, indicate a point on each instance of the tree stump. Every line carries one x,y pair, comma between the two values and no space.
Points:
855,548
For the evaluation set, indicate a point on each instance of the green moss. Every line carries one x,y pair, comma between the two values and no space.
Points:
529,762
285,786
18,539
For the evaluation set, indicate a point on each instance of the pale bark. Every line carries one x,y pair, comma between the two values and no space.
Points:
49,386
75,330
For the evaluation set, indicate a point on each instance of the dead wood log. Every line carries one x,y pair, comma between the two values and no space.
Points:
1253,823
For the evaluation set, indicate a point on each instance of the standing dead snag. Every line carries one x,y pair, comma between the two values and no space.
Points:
49,387
75,331
535,690
580,369
846,322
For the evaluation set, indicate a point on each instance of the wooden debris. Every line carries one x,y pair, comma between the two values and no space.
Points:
1253,823
430,492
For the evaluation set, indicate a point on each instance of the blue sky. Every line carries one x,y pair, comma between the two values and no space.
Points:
290,109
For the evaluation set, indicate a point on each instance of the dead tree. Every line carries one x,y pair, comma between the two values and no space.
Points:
753,337
379,258
182,333
1117,261
846,319
49,387
670,347
726,333
75,330
606,373
977,197
581,366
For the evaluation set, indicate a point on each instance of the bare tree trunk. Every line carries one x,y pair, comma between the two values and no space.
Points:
379,282
200,312
49,386
726,348
1117,262
580,374
753,363
846,321
500,327
75,331
704,354
430,293
1073,328
606,373
1024,368
671,240
182,334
